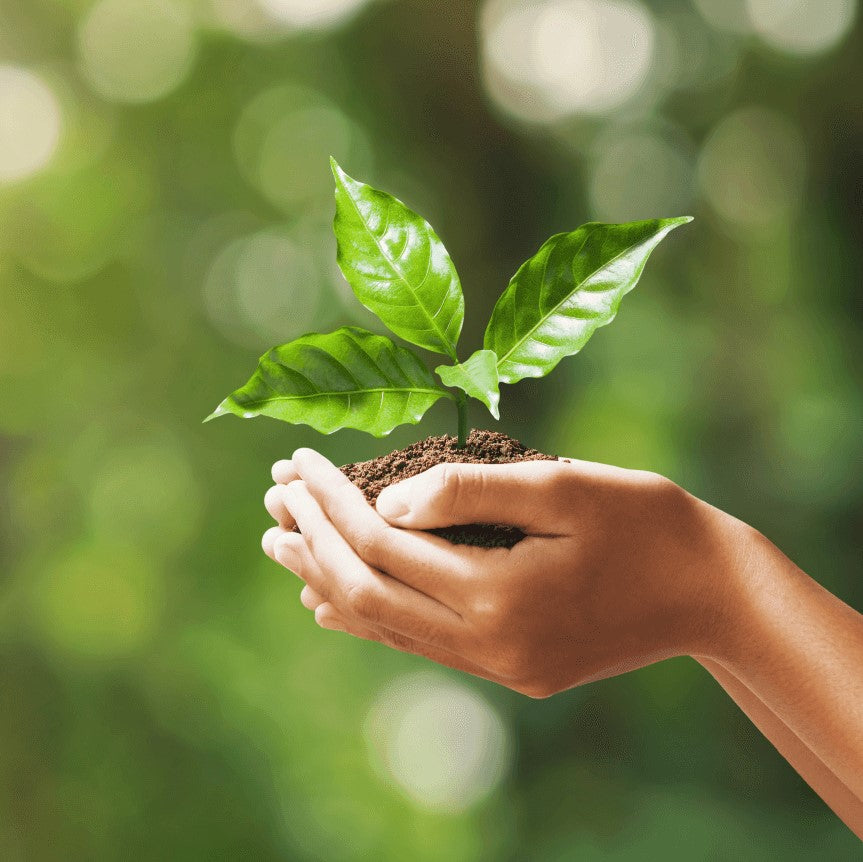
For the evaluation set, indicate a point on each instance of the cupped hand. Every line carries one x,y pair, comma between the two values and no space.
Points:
618,568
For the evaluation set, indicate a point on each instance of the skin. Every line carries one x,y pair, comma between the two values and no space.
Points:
619,569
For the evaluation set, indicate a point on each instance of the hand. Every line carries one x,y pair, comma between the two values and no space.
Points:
619,568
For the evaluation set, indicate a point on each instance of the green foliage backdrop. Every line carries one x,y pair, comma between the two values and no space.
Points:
165,217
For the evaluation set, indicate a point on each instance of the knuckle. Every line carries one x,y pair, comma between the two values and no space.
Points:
494,611
372,545
451,484
399,641
666,494
310,538
361,599
655,482
487,613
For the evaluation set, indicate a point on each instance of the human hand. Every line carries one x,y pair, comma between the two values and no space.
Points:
618,569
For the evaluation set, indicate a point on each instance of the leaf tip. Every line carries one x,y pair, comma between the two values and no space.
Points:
336,168
222,410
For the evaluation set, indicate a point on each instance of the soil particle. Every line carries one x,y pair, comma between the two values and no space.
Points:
482,447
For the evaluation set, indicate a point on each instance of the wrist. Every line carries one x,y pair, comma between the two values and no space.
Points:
745,573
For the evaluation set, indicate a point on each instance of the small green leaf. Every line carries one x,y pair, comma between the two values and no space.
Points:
397,266
477,376
566,291
349,378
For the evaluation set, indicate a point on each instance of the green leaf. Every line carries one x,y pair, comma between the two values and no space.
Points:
349,378
566,291
477,376
397,266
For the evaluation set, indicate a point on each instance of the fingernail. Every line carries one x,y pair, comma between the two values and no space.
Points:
392,504
285,551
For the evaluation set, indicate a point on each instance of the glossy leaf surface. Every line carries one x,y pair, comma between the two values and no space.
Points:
477,376
566,291
349,378
397,266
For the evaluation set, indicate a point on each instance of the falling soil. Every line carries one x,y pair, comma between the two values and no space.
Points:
482,447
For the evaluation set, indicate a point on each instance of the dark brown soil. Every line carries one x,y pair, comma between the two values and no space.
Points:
483,447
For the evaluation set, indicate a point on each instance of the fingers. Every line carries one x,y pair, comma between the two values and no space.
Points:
428,563
310,599
268,540
530,495
289,549
328,617
274,503
284,472
361,591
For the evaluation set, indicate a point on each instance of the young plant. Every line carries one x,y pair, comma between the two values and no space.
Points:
399,269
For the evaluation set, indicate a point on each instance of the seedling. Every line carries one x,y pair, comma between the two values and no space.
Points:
399,269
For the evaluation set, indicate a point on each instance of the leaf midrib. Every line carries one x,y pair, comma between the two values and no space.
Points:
450,348
348,393
553,311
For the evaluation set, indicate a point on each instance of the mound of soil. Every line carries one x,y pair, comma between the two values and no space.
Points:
482,447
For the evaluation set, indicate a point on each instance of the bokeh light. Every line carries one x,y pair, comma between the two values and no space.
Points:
311,14
548,60
166,215
136,50
281,141
245,19
692,54
752,169
639,174
264,288
441,742
144,493
801,26
97,601
30,123
70,230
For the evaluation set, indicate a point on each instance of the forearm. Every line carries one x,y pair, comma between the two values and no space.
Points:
845,804
799,650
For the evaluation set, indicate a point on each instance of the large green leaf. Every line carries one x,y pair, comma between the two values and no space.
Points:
349,378
566,291
477,376
397,266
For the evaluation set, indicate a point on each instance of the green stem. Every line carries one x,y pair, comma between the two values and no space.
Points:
461,405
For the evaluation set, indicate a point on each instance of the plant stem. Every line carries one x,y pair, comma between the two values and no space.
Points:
461,405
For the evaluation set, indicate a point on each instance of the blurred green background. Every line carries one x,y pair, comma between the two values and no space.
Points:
165,209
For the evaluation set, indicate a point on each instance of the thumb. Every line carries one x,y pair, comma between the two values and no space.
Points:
522,495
